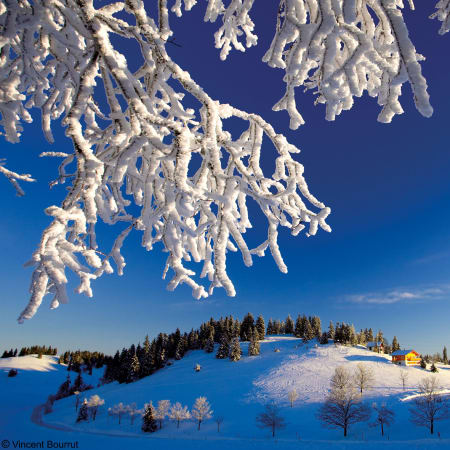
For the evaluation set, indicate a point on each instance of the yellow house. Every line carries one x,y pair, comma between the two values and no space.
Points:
406,357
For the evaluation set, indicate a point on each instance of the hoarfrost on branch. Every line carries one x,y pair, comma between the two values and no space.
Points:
138,151
443,15
133,159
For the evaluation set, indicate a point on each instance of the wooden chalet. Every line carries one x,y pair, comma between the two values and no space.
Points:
375,346
406,358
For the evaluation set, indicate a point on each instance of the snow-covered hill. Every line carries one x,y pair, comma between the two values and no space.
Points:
237,391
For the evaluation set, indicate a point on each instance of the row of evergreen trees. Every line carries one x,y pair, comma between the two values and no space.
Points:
33,350
139,361
437,357
83,360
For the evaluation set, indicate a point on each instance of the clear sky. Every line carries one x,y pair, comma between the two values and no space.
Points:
385,265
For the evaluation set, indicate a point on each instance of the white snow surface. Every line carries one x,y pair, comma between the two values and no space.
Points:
237,391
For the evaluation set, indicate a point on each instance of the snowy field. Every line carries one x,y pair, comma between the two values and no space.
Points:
237,391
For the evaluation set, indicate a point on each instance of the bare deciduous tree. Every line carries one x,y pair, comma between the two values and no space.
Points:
292,395
201,410
363,377
429,407
343,406
403,378
270,418
384,417
179,413
341,378
218,420
93,404
162,411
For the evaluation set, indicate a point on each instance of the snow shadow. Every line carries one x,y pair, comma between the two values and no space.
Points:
365,358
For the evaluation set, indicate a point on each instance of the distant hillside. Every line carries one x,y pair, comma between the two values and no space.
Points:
237,391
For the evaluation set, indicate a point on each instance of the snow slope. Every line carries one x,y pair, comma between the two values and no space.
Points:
237,391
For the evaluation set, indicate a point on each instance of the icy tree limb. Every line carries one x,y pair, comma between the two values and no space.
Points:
443,15
339,49
14,177
136,164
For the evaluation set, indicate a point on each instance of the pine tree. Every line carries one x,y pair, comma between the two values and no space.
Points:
324,338
235,350
247,324
303,324
433,368
224,348
261,328
146,366
148,419
78,384
316,326
276,327
444,356
209,346
352,335
395,344
298,326
289,325
236,329
83,415
309,333
133,370
379,339
64,389
423,364
253,347
269,327
331,331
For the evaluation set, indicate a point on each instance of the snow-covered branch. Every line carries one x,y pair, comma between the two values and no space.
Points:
339,49
443,15
137,153
14,178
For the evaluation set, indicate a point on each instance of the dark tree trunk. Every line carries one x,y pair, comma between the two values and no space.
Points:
382,429
199,422
345,430
432,426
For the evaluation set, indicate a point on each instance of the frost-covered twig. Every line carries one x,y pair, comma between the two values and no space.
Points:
13,178
339,49
173,173
443,15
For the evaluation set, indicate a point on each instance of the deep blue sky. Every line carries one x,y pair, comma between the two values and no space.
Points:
385,265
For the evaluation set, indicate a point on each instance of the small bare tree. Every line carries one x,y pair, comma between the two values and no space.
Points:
218,420
340,379
179,413
133,412
77,399
430,406
162,411
93,404
118,410
270,418
292,395
384,417
363,377
404,378
201,410
343,406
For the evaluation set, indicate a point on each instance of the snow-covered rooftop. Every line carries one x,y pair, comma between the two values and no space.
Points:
403,352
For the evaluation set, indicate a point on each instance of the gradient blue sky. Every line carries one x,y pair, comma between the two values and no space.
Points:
385,265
